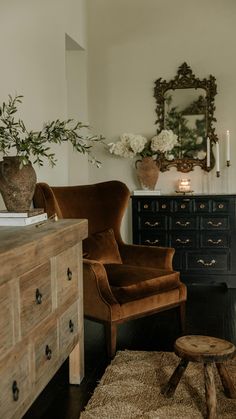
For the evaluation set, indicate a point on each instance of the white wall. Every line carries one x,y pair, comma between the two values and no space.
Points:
32,45
131,43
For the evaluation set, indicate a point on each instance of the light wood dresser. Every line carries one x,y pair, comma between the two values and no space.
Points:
41,309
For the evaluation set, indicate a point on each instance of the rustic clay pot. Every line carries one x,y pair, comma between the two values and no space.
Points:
147,172
17,184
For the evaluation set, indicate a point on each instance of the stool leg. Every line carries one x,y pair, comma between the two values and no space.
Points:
210,391
171,386
226,381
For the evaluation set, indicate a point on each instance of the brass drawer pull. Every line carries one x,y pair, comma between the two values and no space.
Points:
15,391
183,224
69,274
146,206
164,206
221,206
202,206
71,326
211,263
152,242
215,241
38,296
183,241
214,224
48,352
148,223
182,206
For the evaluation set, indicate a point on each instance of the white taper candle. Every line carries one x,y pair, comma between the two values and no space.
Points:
208,152
217,157
227,145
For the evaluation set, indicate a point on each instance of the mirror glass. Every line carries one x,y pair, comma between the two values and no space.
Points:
185,105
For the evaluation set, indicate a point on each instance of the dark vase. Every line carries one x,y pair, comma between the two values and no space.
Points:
17,184
147,172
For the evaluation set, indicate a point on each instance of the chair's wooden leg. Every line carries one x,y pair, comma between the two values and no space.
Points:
210,391
110,333
170,387
226,381
182,318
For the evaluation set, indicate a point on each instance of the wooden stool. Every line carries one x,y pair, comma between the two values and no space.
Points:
208,350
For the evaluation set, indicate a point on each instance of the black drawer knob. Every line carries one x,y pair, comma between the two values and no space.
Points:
71,326
69,274
48,352
38,296
15,391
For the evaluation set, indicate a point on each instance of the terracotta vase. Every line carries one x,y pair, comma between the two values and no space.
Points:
17,184
147,172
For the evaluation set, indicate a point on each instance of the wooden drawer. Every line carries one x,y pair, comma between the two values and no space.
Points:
183,205
214,223
215,239
183,239
68,330
202,205
156,238
66,271
15,382
184,223
35,297
220,205
150,222
146,205
46,351
6,319
210,262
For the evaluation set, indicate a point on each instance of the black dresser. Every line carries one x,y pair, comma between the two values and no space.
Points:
201,228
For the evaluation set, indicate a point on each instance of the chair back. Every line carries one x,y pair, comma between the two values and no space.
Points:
102,204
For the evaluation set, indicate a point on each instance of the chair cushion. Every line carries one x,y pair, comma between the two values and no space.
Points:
130,282
102,247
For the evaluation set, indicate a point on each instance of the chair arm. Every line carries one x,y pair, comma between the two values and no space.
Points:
141,255
98,297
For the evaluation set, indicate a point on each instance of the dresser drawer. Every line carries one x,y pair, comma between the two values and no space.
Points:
215,239
183,205
183,239
184,223
220,205
207,262
158,222
15,382
146,205
6,319
153,238
214,223
35,297
46,351
68,330
66,271
202,205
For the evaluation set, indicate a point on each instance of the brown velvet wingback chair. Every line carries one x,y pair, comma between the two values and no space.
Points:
121,281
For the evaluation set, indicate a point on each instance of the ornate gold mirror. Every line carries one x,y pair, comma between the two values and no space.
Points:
185,105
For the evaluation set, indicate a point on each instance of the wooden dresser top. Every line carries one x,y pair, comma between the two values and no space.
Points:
22,248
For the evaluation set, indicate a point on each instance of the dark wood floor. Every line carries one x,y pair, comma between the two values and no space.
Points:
210,311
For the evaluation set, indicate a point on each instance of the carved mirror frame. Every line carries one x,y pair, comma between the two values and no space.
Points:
185,79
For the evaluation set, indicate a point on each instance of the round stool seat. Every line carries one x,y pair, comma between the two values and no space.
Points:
197,348
210,351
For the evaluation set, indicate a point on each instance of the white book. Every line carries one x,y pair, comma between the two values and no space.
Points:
30,213
146,192
23,221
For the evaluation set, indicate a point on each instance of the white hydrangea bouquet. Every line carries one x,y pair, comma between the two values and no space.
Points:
135,145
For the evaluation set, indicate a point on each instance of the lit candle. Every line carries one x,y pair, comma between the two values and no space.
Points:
208,152
217,158
227,146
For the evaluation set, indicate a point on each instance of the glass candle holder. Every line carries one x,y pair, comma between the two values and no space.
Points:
184,185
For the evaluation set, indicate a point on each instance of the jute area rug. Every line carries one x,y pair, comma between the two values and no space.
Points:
130,388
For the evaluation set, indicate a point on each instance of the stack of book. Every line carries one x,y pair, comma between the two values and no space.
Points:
34,215
146,192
